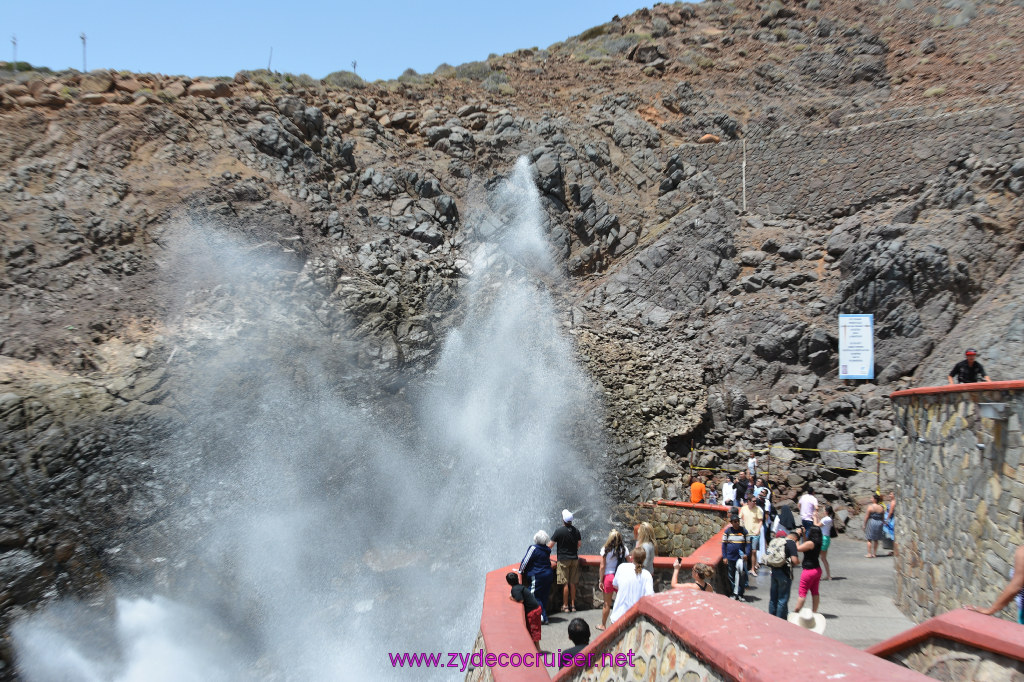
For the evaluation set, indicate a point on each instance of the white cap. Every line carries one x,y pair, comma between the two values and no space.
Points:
566,516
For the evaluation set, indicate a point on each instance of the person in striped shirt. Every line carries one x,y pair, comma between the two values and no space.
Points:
734,552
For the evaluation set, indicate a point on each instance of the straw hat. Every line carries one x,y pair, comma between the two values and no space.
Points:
807,619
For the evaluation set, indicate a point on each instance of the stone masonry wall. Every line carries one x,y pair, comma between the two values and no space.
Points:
961,493
876,160
481,673
950,661
588,590
590,596
656,654
680,530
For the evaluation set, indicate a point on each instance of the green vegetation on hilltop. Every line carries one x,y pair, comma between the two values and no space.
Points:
445,70
345,79
275,79
474,71
411,77
24,67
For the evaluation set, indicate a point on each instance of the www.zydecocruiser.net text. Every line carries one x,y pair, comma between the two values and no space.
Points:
531,659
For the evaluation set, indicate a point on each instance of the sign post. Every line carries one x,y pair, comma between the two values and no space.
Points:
856,346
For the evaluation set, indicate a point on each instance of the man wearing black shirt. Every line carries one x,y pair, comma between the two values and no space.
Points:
969,370
567,570
531,607
742,484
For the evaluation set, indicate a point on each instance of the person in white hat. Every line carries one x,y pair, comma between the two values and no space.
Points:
567,569
807,619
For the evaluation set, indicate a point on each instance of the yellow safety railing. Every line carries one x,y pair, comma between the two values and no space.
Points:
767,453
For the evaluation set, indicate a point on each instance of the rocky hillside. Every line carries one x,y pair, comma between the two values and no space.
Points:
719,182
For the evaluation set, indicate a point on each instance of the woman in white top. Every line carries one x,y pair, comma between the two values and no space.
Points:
633,582
729,492
612,554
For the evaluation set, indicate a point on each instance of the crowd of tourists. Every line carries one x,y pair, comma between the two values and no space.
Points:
758,537
626,575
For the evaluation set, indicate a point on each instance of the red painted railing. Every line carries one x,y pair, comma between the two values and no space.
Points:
504,629
961,388
965,627
710,626
502,624
745,643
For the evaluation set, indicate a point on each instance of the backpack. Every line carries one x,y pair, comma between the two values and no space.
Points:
776,554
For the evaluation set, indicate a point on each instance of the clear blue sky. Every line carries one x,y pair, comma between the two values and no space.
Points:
220,37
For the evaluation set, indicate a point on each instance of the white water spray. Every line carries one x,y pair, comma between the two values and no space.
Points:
339,534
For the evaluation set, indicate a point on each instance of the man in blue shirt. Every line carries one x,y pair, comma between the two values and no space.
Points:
734,551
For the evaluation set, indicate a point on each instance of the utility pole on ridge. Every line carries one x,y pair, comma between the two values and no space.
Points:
14,45
84,70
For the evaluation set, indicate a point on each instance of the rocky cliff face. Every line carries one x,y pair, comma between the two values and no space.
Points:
881,147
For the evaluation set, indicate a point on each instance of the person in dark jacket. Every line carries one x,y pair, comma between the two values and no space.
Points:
968,370
734,552
537,572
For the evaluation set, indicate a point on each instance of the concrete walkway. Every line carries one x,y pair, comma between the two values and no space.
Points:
555,636
857,602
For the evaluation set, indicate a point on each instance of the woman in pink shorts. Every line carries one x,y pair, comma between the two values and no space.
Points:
612,554
810,576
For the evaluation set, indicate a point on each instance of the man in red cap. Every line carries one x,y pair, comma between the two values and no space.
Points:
969,370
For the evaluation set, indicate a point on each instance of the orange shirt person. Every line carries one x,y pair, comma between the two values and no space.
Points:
698,490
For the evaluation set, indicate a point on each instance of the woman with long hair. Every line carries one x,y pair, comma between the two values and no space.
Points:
810,576
612,554
537,572
633,582
645,538
874,521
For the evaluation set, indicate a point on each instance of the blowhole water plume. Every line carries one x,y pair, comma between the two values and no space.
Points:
318,530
